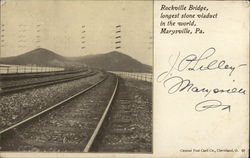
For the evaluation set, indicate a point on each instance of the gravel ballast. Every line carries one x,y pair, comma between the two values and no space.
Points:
129,127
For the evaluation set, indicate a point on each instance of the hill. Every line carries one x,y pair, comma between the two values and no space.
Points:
115,61
112,61
41,57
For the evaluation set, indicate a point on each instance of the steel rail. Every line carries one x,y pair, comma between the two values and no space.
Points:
97,129
37,74
27,84
16,88
50,108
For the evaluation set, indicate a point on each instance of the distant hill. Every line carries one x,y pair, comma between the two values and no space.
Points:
112,61
41,57
115,61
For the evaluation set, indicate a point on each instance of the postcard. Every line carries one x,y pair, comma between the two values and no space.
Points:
124,78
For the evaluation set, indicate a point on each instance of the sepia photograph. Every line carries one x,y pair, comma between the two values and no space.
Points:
76,76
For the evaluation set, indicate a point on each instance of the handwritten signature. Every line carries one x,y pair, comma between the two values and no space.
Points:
192,62
178,84
209,104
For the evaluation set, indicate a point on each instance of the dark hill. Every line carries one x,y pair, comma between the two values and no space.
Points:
40,56
115,61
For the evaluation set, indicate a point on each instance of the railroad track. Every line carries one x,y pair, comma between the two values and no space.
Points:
85,112
17,76
17,88
125,130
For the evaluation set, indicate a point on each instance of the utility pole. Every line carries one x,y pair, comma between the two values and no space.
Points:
82,39
150,41
21,37
2,38
118,42
38,36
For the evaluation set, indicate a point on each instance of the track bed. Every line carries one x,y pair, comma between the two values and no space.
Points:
129,126
67,128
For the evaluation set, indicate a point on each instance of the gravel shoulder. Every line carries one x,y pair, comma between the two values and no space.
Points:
129,127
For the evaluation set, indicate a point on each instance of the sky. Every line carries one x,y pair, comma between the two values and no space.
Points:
77,28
